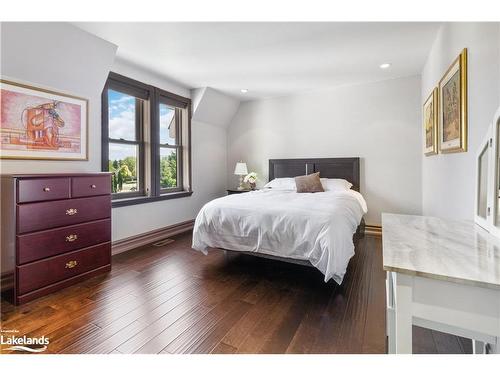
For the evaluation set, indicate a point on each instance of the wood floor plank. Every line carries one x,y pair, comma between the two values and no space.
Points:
212,337
309,329
70,326
375,324
255,341
222,348
157,321
254,296
246,325
172,299
111,343
158,341
168,321
192,336
69,334
80,317
182,336
333,316
352,330
107,313
119,319
281,337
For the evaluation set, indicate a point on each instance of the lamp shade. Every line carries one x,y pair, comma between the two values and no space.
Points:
241,169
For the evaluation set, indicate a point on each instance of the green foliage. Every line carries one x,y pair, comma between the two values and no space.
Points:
123,171
168,171
130,162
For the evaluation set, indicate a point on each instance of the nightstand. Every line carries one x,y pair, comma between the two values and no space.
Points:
236,191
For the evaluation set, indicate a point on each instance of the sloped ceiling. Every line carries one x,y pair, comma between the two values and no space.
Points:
213,107
271,58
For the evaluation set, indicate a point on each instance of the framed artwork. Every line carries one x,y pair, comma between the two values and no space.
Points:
42,124
453,106
430,116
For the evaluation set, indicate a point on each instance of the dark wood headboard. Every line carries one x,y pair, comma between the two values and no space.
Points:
346,168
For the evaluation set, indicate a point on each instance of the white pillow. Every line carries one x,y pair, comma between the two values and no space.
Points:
286,183
330,184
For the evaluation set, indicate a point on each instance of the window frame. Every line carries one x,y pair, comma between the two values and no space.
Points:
139,142
150,190
165,99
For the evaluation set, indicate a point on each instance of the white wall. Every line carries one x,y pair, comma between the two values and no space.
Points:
209,182
63,57
208,170
379,122
448,183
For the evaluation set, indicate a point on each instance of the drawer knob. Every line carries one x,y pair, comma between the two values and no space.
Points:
93,186
71,238
71,264
46,189
71,211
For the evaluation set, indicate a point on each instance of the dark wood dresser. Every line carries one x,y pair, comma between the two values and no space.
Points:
56,231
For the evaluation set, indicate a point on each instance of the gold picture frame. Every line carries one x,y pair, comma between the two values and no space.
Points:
430,123
41,124
453,106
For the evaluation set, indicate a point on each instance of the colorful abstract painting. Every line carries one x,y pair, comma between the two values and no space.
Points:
41,124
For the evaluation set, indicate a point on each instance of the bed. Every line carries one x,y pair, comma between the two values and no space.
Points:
315,229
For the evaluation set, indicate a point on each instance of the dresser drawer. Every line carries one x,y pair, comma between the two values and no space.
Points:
43,189
91,185
46,215
39,245
45,272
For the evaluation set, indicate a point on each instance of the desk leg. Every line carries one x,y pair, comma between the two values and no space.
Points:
403,314
390,311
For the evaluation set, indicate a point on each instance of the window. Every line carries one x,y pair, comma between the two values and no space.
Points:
126,146
145,141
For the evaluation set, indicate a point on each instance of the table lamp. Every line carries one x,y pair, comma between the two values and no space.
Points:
241,170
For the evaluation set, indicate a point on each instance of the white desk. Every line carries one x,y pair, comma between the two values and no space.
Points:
443,275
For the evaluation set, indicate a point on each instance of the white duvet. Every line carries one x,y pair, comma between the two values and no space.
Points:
316,227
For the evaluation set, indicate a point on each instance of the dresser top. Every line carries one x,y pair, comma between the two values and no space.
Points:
49,175
455,251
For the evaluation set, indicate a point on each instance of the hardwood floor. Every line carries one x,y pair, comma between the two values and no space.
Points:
171,299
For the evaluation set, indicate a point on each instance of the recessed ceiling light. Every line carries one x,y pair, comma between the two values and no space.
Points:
385,66
244,91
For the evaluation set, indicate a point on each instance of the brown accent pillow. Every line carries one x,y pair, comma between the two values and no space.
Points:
309,183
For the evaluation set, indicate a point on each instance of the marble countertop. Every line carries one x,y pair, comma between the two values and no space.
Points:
456,251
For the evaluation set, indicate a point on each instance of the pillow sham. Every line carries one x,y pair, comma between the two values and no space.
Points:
330,184
310,183
284,183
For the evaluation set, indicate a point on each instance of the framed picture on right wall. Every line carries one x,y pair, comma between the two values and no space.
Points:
453,106
430,116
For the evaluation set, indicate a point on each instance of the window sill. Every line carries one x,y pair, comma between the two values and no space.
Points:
143,200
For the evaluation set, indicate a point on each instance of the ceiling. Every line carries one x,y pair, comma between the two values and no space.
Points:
271,59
